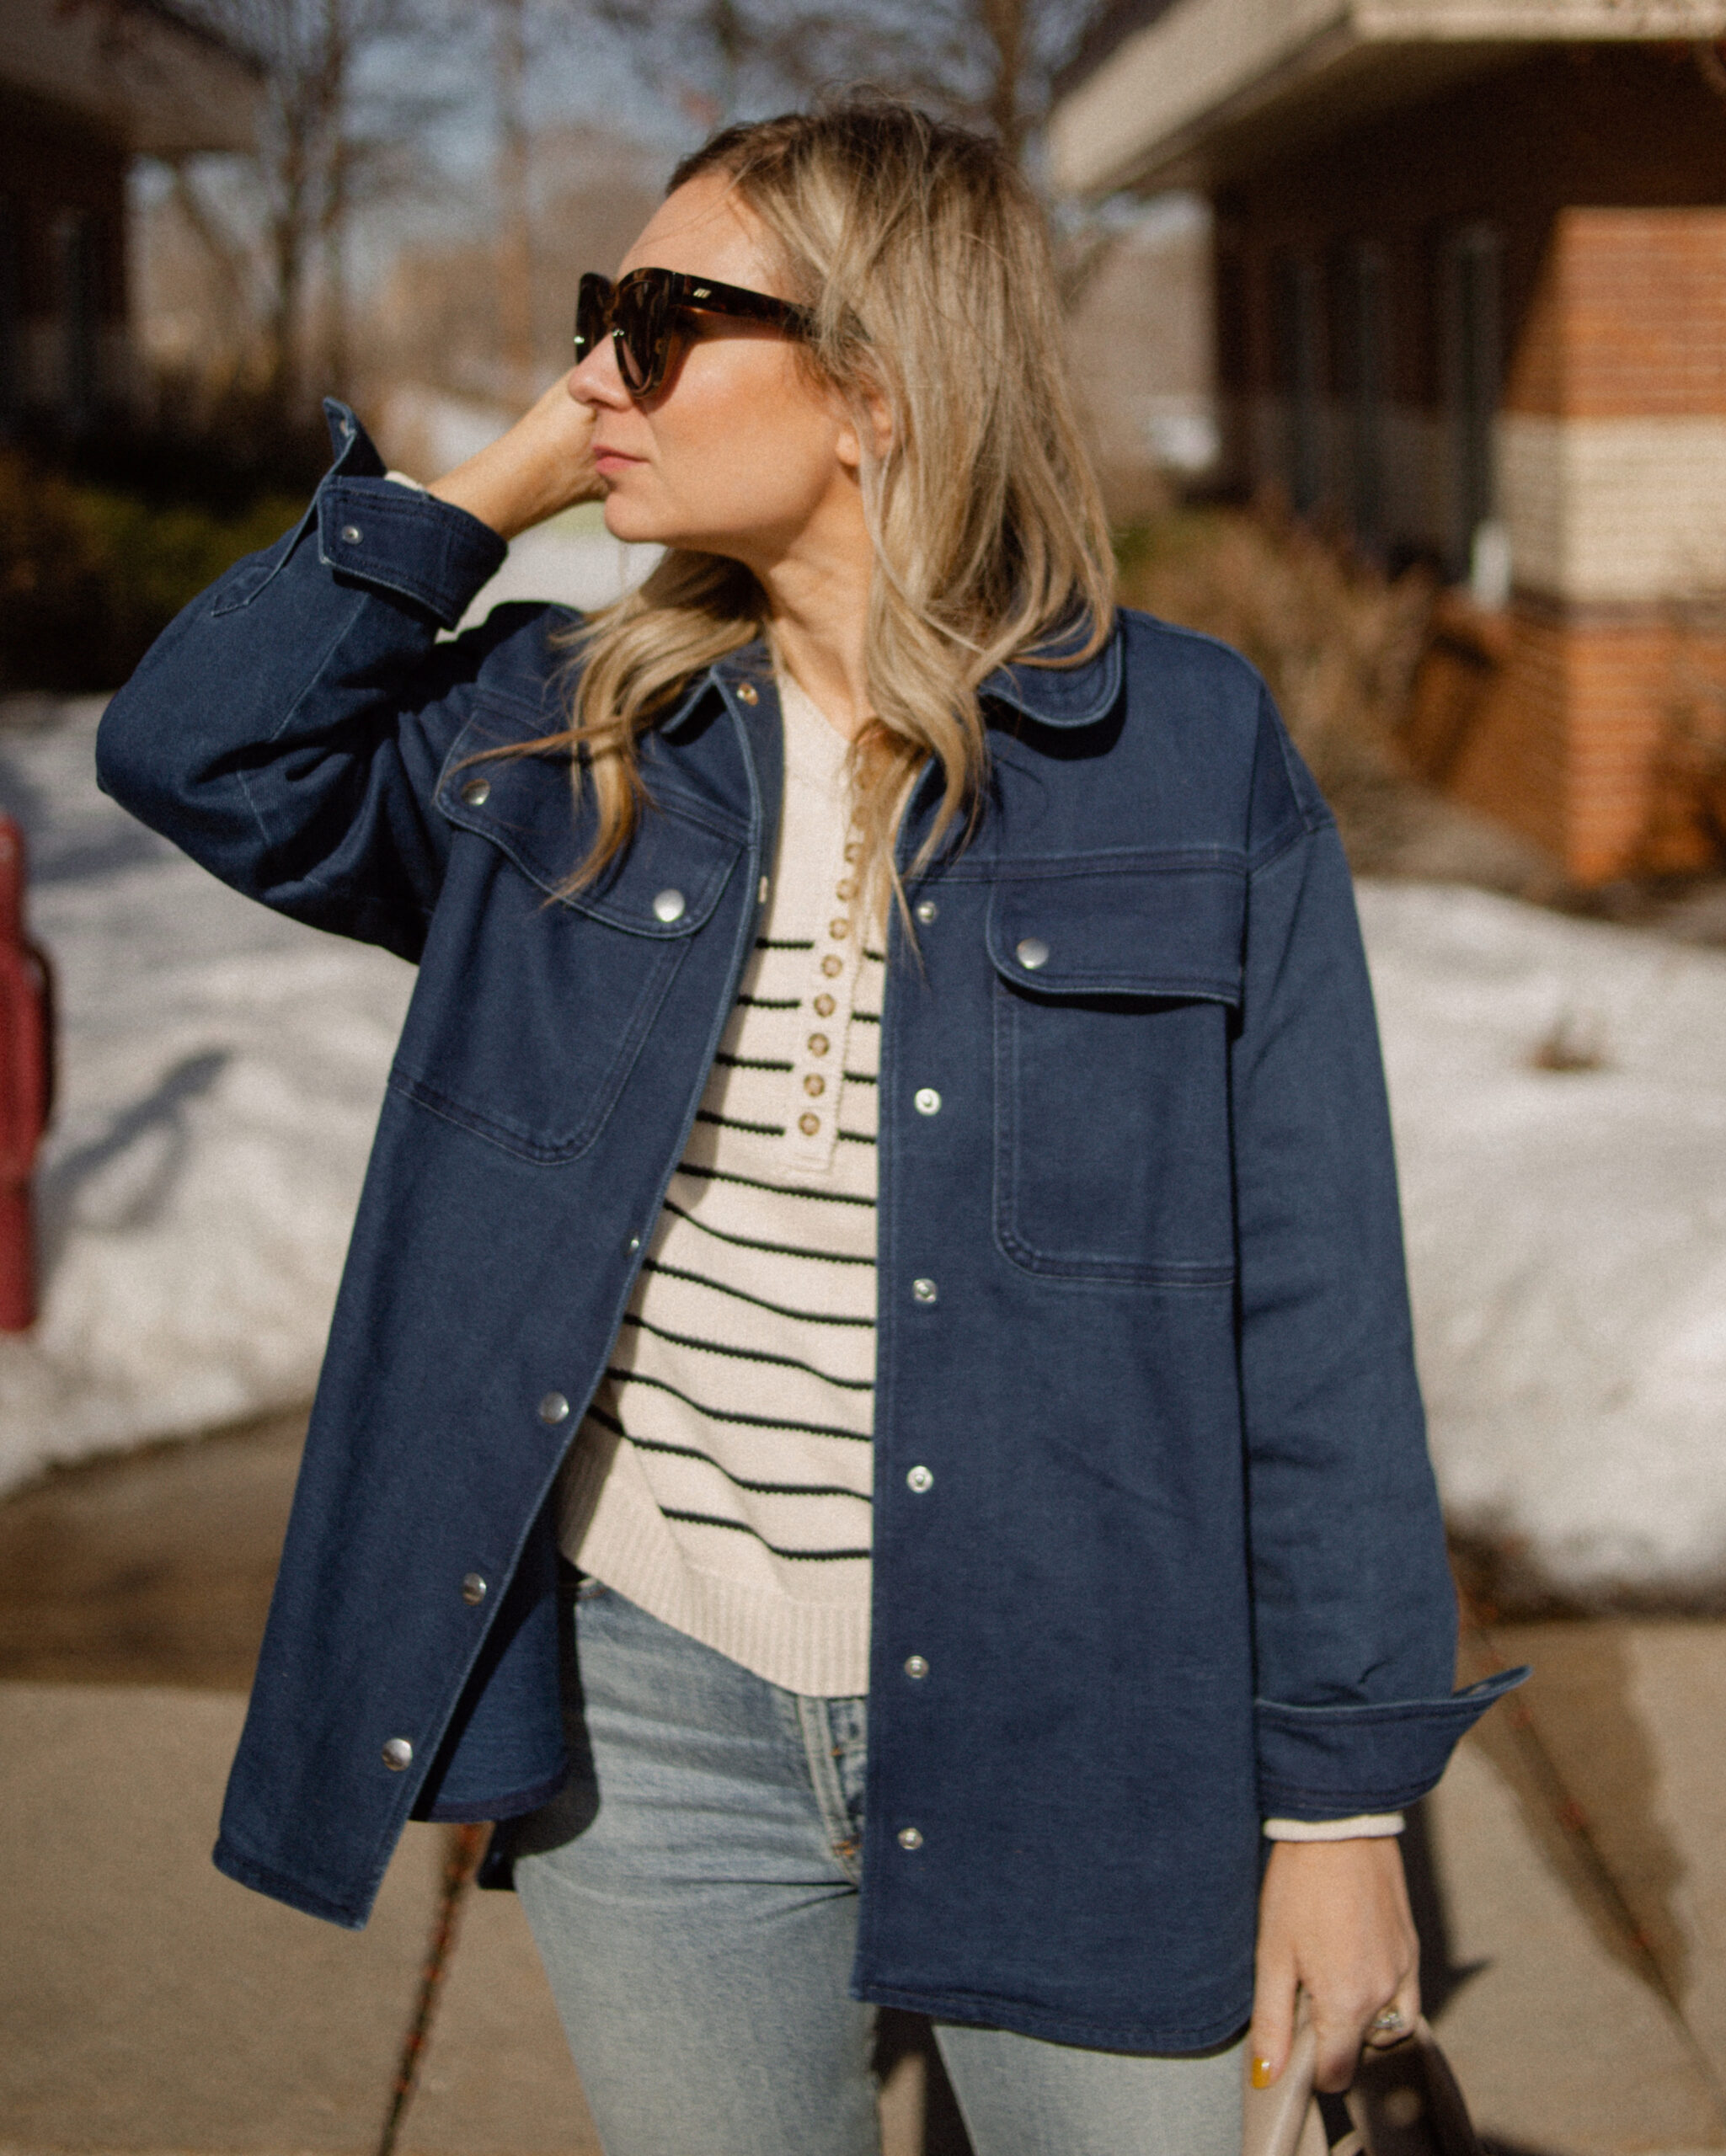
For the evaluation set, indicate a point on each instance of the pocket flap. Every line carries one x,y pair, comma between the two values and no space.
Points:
666,884
1147,925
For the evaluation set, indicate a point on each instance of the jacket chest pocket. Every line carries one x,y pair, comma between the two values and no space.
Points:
532,1010
1114,993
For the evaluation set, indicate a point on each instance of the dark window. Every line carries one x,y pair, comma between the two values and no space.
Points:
80,318
1298,302
1472,355
11,316
1366,342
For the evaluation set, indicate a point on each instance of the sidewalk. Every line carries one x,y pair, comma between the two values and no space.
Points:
1572,1873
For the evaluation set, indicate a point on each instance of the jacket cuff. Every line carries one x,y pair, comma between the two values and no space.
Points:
1333,1763
397,538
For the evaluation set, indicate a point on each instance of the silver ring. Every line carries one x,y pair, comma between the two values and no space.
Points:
1384,2023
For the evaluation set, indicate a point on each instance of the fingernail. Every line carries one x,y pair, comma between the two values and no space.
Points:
1262,2075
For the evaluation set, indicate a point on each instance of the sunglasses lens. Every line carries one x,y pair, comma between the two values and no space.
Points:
593,303
641,316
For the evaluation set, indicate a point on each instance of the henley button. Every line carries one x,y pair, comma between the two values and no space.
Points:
352,534
814,1084
925,910
554,1408
819,1043
832,965
911,1838
809,1124
824,1006
923,1291
477,792
838,929
473,1589
919,1479
1032,953
927,1101
916,1666
670,906
398,1754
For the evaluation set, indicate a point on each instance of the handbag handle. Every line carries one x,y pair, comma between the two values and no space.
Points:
1404,2102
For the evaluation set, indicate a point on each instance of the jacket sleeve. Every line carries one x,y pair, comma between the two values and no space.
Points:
288,728
1354,1614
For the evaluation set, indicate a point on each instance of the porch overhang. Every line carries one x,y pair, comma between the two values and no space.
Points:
1209,88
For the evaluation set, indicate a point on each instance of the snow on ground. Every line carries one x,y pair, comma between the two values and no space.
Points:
222,1070
1566,1229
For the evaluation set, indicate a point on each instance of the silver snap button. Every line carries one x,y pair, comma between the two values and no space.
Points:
398,1754
473,1589
925,910
670,906
927,1101
919,1479
915,1665
554,1408
1033,952
631,1246
352,534
747,693
911,1838
923,1291
477,792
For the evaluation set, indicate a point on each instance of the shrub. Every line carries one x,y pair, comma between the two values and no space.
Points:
89,576
1338,641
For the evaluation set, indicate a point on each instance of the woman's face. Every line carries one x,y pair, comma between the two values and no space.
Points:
741,452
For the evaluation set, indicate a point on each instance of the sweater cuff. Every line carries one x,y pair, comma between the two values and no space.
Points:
1338,1762
1365,1826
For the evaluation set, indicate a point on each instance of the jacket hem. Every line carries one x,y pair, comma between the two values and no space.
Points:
466,1810
980,2010
264,1879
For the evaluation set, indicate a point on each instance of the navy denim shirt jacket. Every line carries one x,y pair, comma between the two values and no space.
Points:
1180,1566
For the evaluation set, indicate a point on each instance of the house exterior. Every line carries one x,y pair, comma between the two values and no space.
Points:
85,86
1470,273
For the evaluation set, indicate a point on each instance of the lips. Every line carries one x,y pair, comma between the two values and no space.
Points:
614,459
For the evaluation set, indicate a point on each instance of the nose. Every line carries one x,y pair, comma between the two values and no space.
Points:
597,380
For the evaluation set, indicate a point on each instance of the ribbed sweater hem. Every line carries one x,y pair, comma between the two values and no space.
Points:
820,1649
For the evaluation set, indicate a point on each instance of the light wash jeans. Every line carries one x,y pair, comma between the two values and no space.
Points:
696,1909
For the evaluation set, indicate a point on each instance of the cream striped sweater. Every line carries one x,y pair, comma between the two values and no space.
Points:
722,1478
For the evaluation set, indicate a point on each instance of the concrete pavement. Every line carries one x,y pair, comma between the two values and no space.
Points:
1571,1874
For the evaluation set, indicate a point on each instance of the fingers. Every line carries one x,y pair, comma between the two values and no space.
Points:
1272,2034
1335,1918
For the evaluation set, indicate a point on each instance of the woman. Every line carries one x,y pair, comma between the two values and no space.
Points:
1063,1405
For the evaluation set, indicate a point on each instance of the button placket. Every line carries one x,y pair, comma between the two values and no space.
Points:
817,1084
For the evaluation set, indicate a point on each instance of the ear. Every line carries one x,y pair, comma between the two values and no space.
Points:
874,421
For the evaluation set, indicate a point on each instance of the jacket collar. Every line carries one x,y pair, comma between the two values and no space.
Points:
1052,696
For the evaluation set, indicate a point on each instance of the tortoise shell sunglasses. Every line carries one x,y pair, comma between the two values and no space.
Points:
647,316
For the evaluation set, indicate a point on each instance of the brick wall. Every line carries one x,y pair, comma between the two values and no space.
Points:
1591,714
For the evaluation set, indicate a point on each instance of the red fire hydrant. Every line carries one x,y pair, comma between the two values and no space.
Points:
26,1083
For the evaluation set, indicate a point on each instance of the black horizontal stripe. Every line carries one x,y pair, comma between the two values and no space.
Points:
771,943
771,1002
779,1190
742,1527
721,1287
731,1122
748,1355
748,1062
774,1250
693,1452
856,1137
880,956
728,1415
858,1077
865,1018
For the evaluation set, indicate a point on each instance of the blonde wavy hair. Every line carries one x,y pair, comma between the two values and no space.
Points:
924,260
